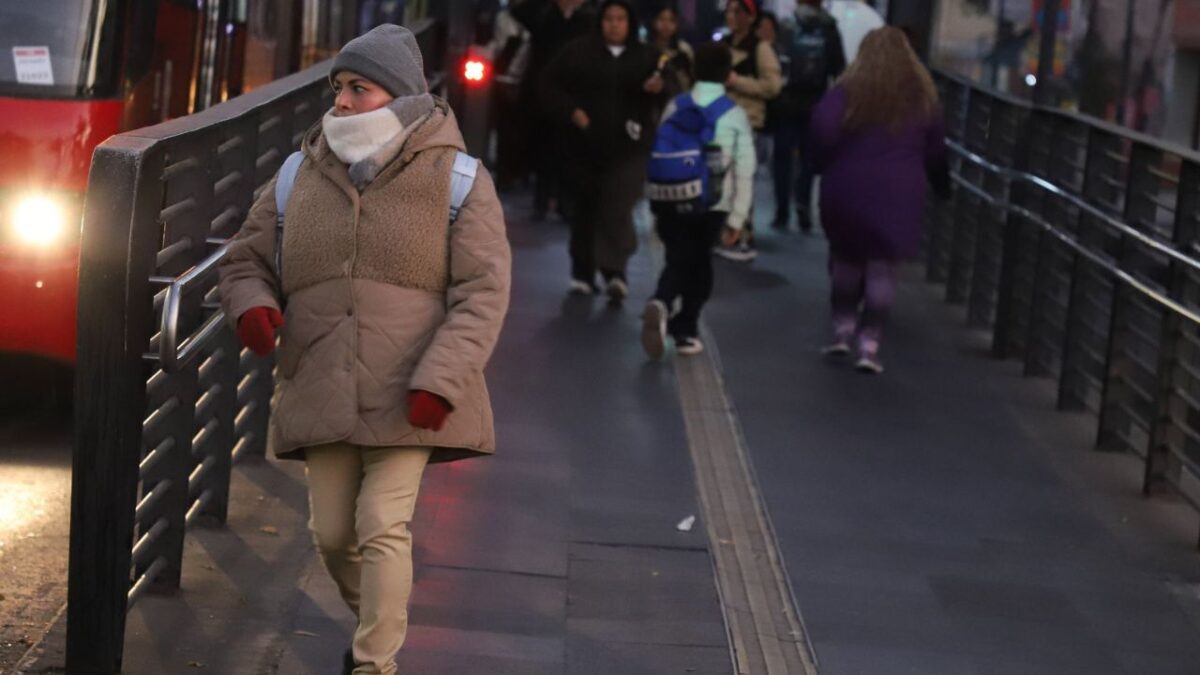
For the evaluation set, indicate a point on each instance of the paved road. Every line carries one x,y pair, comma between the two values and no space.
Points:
35,473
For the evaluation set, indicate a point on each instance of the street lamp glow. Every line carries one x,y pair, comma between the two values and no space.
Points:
39,220
1031,80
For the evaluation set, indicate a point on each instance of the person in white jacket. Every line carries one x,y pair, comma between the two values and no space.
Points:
689,238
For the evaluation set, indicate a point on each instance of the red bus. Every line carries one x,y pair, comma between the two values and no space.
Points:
74,72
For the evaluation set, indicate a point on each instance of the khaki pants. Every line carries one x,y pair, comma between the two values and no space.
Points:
361,500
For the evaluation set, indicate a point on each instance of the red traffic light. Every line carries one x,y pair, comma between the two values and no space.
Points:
476,70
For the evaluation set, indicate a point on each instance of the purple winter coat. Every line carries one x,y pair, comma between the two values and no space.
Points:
873,182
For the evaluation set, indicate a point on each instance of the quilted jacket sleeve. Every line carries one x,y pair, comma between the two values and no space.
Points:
248,277
476,300
769,82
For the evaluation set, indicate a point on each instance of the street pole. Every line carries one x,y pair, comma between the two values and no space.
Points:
1043,92
1126,65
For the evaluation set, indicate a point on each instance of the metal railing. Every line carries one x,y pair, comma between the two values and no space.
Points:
167,400
1076,242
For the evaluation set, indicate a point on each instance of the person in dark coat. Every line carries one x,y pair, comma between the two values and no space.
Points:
552,24
877,133
608,88
815,58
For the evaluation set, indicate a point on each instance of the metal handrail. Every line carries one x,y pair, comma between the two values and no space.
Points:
1115,223
172,354
1132,281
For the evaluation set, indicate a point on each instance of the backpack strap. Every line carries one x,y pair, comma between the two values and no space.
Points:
715,110
462,179
284,183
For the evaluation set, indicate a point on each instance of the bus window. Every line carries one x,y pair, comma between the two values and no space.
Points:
59,49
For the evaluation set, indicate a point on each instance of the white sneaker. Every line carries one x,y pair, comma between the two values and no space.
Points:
836,350
654,329
740,252
869,364
689,346
617,289
578,287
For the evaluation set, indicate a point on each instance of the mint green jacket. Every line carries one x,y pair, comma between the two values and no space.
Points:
736,138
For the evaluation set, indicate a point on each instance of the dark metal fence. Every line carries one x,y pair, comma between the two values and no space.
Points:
1076,243
167,400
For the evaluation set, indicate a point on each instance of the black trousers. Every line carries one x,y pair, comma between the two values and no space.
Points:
550,160
601,216
688,274
512,133
792,134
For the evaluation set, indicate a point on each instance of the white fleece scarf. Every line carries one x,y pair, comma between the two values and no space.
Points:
354,138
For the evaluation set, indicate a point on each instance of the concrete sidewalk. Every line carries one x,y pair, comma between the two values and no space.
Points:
943,518
558,555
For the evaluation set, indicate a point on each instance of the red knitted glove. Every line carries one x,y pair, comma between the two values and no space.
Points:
256,329
426,410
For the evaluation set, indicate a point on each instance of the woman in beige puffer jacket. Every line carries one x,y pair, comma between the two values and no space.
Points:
392,312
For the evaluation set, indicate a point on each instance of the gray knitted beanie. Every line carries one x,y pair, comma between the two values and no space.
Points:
388,55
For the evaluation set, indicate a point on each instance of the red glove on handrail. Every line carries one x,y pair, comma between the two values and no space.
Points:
256,329
427,410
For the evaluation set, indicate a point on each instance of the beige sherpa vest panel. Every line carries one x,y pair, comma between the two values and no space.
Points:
402,225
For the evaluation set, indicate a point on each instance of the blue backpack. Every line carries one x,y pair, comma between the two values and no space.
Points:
685,168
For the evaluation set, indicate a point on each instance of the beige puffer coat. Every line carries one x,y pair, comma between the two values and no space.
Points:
383,296
751,92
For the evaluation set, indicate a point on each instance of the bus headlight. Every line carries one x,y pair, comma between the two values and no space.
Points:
39,220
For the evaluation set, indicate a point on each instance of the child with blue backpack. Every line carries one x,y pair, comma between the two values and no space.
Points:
701,182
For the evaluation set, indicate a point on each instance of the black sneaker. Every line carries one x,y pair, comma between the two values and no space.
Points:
688,346
806,223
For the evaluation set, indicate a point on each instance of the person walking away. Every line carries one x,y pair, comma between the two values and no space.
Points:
675,54
688,234
394,269
510,51
877,133
756,78
608,88
767,30
815,58
552,25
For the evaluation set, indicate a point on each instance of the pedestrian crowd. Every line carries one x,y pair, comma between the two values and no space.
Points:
376,268
613,112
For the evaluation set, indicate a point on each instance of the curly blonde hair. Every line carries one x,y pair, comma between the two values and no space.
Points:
886,84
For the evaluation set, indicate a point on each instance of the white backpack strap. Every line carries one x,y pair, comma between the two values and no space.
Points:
283,189
462,179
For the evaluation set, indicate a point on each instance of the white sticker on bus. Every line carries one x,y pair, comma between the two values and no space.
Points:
33,65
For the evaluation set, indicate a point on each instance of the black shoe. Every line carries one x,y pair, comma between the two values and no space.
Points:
780,224
348,663
806,224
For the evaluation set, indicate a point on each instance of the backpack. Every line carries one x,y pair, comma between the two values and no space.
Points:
462,178
808,56
685,170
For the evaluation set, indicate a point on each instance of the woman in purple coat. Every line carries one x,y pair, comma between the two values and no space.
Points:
877,133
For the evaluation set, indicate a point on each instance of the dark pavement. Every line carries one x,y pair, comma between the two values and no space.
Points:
558,555
942,518
939,519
